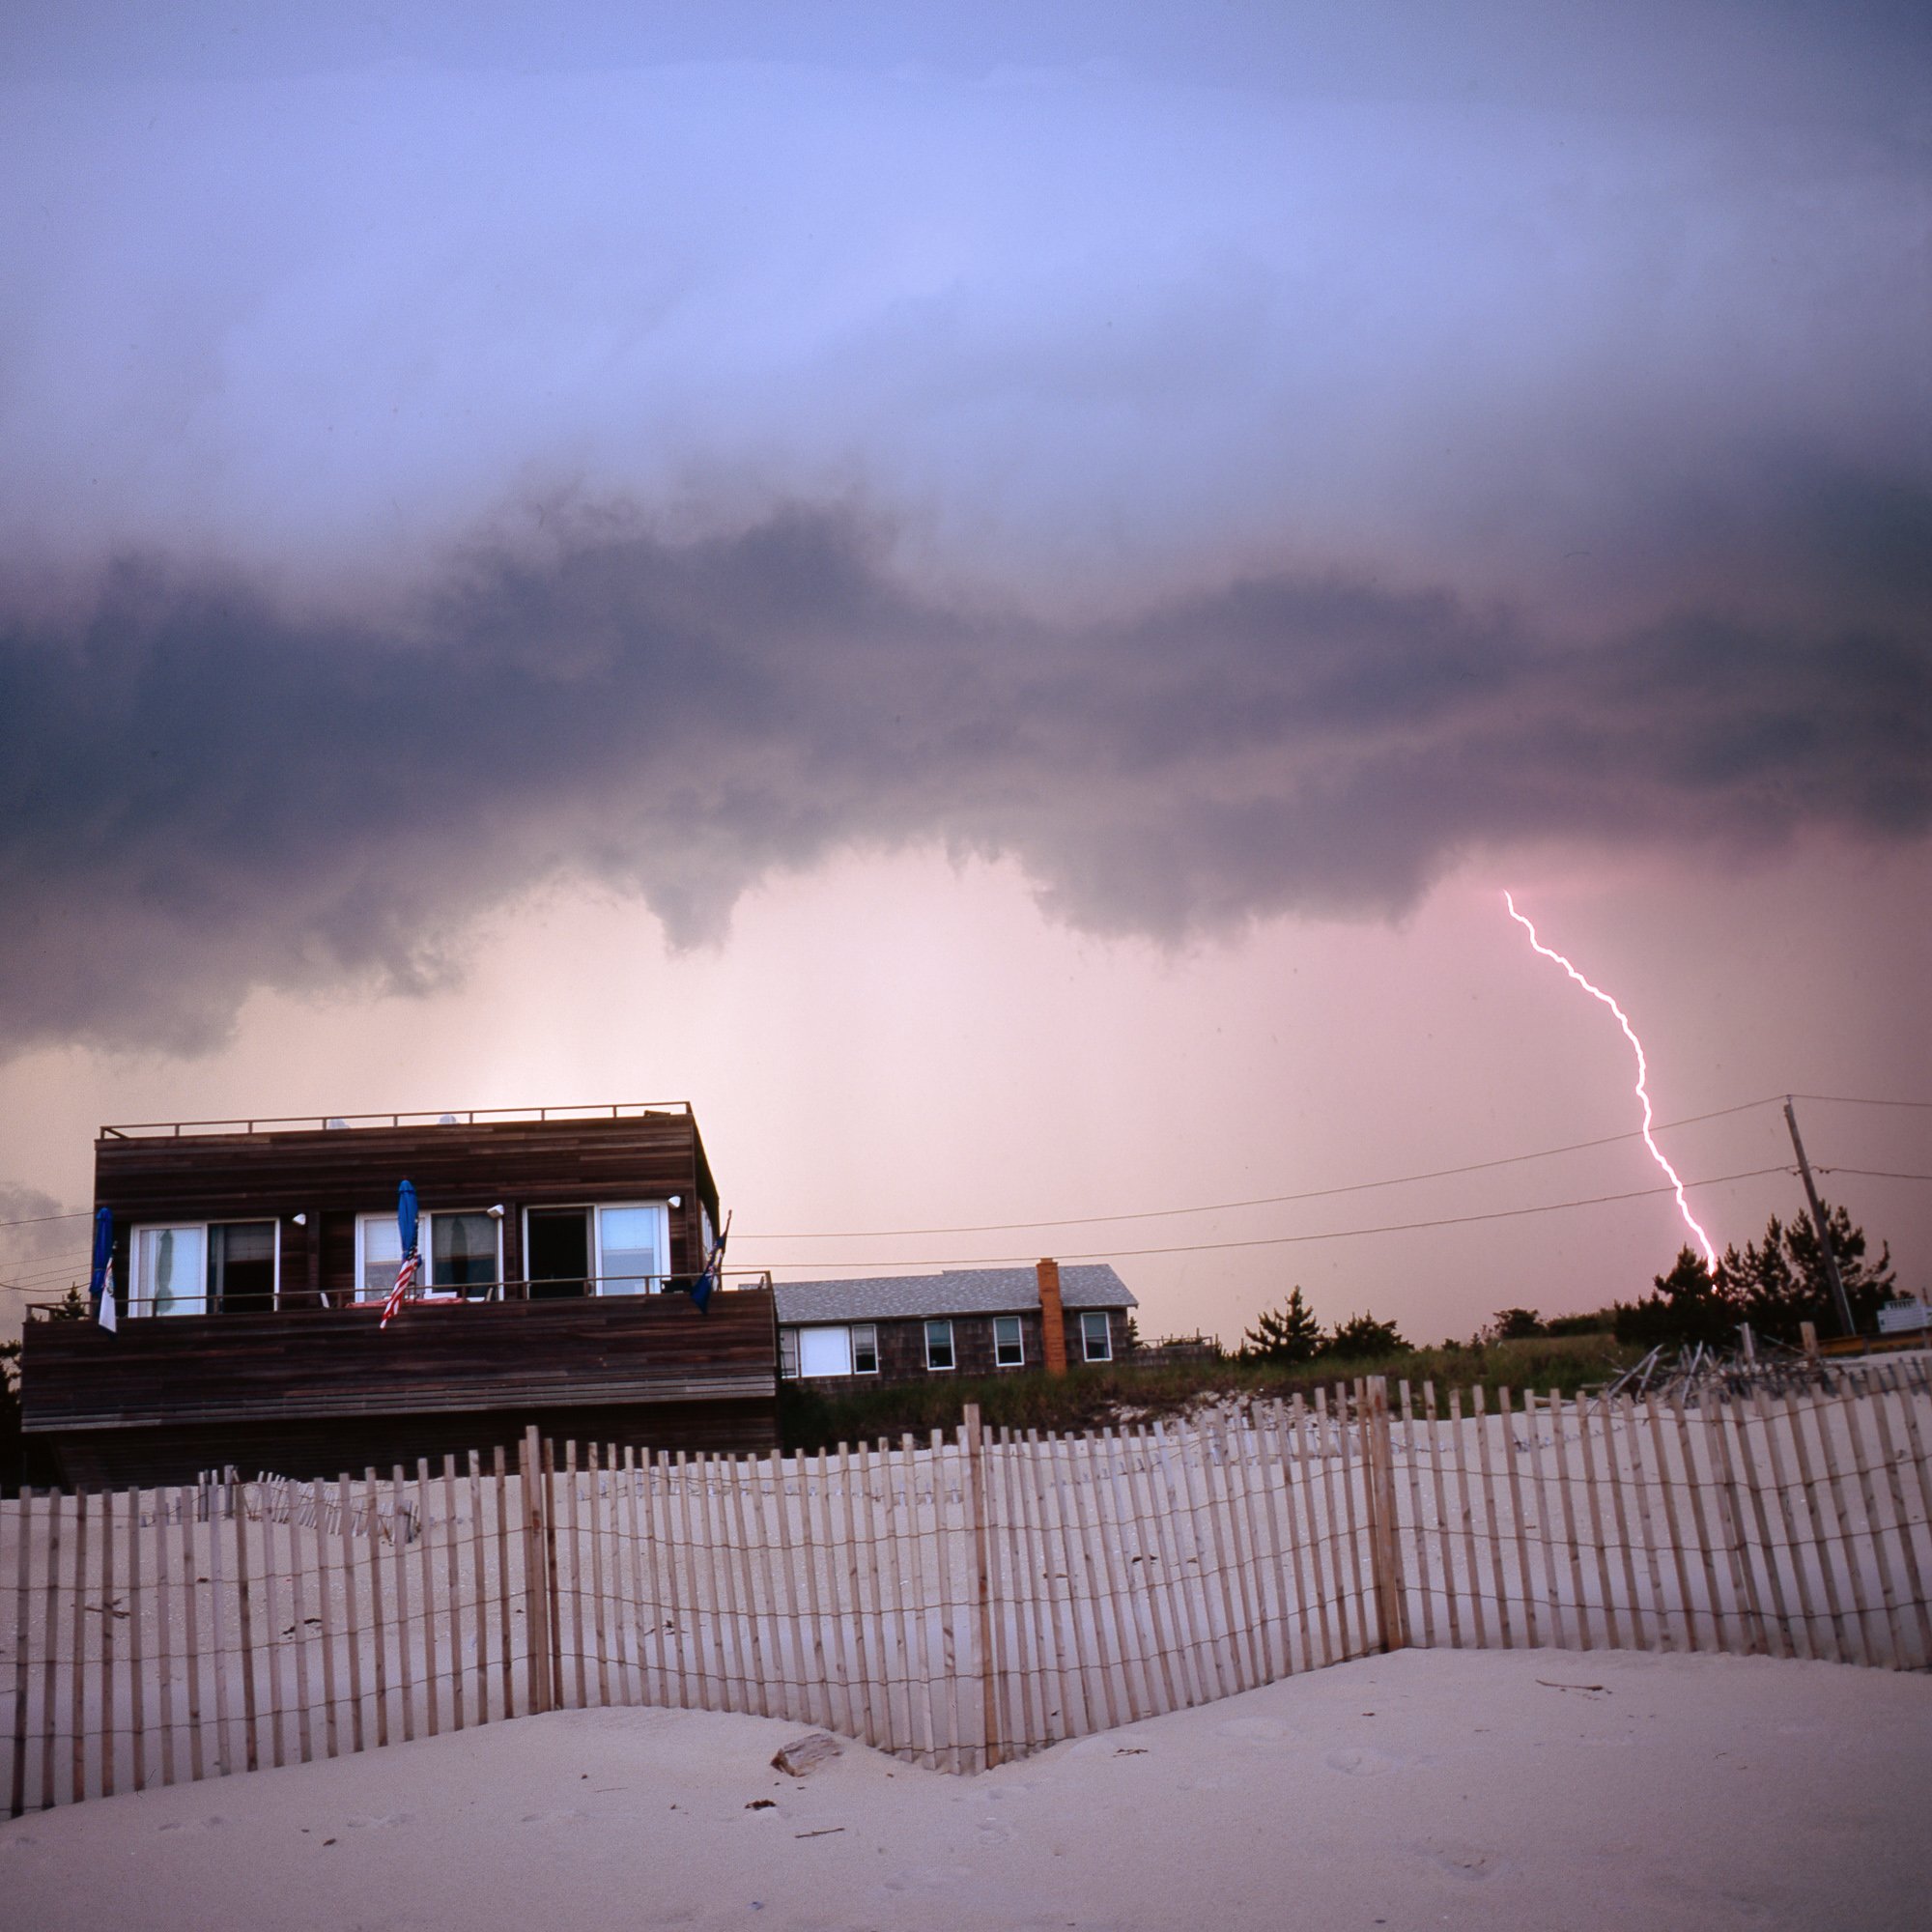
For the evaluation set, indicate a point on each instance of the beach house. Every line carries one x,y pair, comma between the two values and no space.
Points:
569,1276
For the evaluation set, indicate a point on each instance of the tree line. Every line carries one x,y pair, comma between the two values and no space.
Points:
1773,1286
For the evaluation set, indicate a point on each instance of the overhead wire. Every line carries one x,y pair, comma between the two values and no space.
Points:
1265,1200
36,1220
1292,1240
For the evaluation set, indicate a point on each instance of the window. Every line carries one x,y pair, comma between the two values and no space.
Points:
556,1252
632,1248
624,1248
379,1253
170,1271
939,1345
205,1269
1008,1349
825,1351
830,1350
463,1253
1097,1342
241,1268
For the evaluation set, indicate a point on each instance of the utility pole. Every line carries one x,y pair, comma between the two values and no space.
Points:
1818,1222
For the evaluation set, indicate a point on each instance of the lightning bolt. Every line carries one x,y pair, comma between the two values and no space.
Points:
1642,1070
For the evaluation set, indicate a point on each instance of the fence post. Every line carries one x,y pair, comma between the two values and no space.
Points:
1384,1544
974,1440
536,1576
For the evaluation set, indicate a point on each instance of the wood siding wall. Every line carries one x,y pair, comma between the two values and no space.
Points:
329,1389
331,1176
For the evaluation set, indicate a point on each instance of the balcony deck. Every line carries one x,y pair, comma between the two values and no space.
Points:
315,1391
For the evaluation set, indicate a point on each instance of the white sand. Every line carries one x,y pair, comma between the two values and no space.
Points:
1425,1789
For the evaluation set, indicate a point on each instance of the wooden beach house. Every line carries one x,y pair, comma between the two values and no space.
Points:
251,1260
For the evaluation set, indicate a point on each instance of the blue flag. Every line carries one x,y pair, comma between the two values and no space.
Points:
101,1282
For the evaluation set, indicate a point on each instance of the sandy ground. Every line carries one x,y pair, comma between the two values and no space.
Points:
1527,1789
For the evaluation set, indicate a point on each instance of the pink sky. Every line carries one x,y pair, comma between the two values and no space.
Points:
893,1043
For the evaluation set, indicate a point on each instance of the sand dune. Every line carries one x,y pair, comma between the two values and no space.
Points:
1526,1789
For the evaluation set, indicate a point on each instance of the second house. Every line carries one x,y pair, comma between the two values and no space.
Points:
970,1322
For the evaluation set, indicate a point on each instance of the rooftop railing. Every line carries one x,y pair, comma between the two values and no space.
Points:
617,1110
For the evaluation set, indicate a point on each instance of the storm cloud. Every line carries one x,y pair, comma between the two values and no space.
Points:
201,792
1231,467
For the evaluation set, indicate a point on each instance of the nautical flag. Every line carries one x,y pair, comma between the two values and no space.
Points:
406,1282
100,1283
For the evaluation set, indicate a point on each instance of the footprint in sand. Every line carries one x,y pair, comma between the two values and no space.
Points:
193,1824
1363,1761
994,1831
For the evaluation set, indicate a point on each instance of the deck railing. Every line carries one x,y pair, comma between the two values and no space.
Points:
302,1301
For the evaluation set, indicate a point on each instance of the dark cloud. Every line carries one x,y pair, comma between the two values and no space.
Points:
200,792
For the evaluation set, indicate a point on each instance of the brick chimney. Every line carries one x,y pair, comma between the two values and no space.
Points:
1052,1318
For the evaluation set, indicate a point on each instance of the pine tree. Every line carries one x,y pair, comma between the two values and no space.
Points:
1363,1339
1784,1281
1775,1285
1688,1304
1290,1334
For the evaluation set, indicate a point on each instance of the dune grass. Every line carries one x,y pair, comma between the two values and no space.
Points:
1102,1396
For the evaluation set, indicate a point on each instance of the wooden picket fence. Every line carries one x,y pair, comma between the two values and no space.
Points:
957,1601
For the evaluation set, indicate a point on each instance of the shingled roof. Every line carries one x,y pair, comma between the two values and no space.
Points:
1005,1291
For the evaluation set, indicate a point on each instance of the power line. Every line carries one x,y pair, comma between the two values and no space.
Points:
35,1220
1875,1173
1264,1199
54,1264
1292,1240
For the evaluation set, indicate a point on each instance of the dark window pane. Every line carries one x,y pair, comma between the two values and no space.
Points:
1007,1351
558,1262
462,1252
241,1268
939,1345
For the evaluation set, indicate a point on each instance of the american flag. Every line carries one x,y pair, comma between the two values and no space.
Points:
406,1281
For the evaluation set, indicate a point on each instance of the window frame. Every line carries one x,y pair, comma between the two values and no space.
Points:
810,1336
140,1307
653,1283
1019,1343
1099,1314
952,1361
366,1296
860,1337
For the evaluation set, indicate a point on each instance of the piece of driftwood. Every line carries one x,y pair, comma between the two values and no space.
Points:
805,1754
